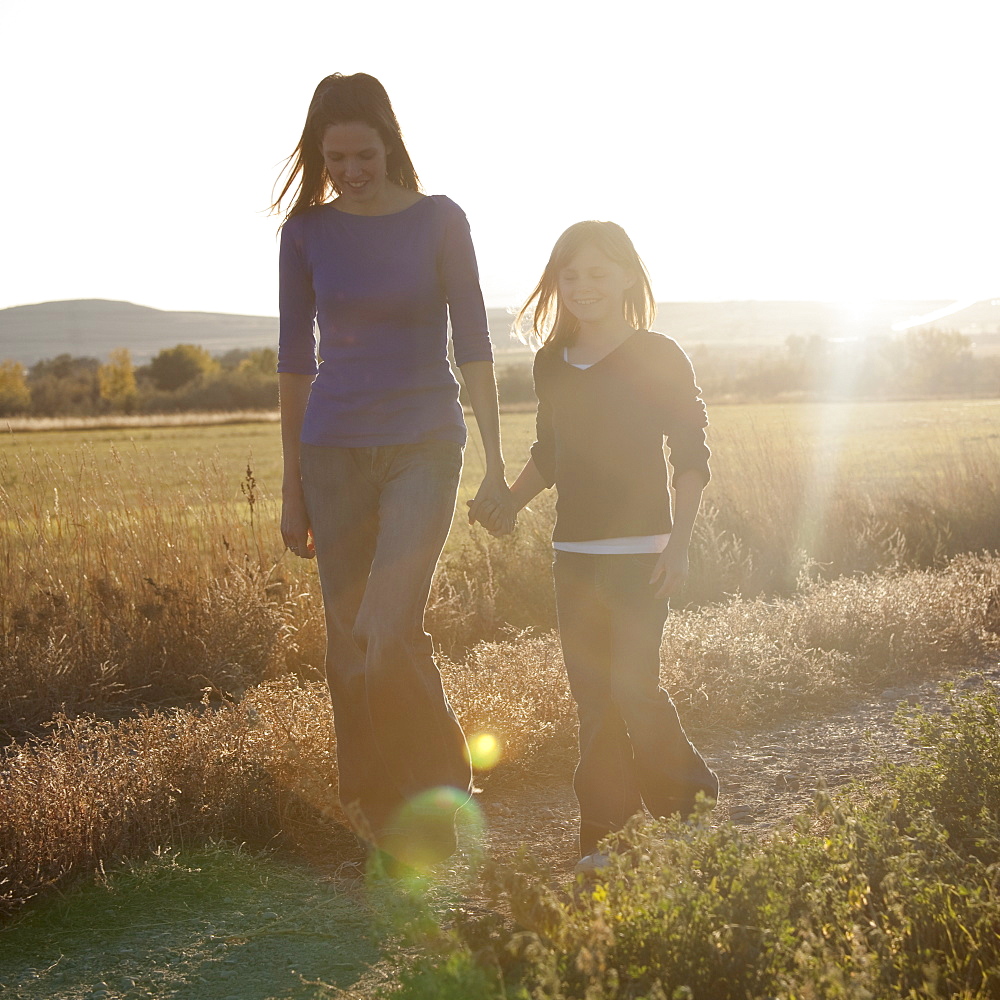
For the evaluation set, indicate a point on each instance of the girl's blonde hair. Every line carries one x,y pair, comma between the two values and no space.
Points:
543,321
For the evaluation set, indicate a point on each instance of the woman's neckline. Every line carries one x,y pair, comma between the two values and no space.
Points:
332,205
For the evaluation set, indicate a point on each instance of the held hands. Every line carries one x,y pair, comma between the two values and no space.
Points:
295,531
671,571
493,506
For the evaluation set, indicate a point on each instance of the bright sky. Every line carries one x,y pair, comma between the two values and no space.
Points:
770,150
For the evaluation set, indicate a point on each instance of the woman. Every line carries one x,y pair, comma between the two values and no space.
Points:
372,439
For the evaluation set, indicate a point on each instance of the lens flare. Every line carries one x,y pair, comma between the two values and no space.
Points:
423,833
484,751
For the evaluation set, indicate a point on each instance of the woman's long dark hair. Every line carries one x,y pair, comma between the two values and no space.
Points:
342,100
542,321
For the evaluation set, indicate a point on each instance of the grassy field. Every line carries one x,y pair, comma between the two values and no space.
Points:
864,896
131,557
874,445
767,459
142,567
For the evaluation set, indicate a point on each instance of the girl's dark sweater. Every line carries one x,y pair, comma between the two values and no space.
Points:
600,436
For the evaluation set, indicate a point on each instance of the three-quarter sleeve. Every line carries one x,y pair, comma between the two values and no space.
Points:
469,327
684,414
543,451
296,305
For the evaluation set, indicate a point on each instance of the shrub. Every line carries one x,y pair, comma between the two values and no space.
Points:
65,385
877,895
117,381
114,652
175,367
15,396
94,791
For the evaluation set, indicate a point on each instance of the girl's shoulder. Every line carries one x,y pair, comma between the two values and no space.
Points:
659,341
659,345
546,355
292,226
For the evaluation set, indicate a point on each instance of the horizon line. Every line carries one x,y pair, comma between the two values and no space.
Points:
955,304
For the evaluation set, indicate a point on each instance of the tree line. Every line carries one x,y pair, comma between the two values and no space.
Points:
180,378
922,362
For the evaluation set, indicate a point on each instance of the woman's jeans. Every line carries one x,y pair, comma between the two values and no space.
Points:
380,517
633,749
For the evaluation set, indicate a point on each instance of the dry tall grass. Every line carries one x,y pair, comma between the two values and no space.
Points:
189,418
777,516
131,576
118,593
754,662
94,790
841,489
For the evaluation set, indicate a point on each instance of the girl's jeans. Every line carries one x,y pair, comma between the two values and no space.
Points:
633,749
380,517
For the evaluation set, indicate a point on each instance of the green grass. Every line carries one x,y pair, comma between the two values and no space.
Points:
872,444
878,894
164,459
207,924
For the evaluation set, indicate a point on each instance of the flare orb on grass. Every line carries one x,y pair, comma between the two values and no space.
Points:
484,751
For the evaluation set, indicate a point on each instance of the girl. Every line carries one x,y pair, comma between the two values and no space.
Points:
372,439
608,391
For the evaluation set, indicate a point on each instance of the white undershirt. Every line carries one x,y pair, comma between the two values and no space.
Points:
627,545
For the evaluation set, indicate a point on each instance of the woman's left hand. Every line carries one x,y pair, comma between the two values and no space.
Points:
493,506
671,570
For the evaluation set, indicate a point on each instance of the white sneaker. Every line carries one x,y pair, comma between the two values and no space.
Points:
592,863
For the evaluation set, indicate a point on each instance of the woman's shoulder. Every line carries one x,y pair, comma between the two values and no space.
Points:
443,204
303,222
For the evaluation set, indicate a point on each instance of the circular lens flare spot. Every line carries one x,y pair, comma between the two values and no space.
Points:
484,751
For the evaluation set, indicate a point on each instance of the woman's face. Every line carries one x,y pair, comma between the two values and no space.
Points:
355,158
592,287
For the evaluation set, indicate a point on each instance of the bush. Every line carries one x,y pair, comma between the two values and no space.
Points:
175,367
880,895
113,652
94,791
15,396
65,386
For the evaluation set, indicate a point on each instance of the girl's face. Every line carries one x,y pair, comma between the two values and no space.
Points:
592,287
355,158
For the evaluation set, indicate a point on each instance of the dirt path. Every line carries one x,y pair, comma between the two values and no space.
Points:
766,776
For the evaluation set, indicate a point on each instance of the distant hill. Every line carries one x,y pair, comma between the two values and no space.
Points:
95,327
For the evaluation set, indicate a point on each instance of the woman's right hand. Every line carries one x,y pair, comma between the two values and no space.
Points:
295,531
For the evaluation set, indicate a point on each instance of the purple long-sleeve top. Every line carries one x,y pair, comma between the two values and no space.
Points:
381,289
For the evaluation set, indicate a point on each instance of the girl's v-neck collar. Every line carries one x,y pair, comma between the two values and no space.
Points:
593,364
